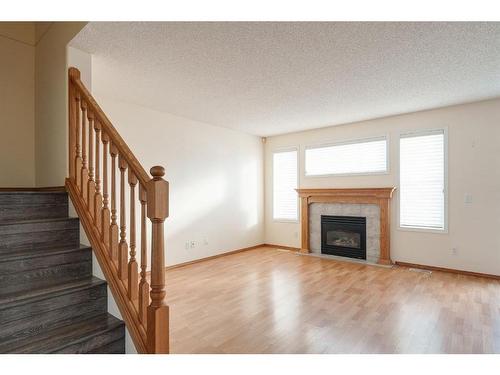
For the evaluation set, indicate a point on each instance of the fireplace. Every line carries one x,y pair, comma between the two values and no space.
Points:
344,236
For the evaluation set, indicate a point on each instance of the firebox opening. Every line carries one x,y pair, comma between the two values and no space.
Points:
343,236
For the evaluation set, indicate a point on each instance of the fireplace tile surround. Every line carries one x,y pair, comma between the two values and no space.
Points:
372,203
370,211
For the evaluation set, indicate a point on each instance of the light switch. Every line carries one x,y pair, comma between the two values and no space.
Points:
468,198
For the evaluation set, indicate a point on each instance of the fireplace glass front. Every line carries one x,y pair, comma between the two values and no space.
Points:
343,236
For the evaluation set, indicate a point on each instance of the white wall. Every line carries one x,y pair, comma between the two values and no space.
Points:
51,114
83,61
17,104
33,104
215,176
474,168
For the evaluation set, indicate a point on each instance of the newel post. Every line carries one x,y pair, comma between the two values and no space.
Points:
158,314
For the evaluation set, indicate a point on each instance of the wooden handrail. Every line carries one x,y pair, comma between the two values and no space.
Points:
123,149
95,146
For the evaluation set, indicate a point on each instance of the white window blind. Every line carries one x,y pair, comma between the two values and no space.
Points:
285,199
422,181
369,156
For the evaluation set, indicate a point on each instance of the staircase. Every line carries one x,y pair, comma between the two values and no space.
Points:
122,210
49,300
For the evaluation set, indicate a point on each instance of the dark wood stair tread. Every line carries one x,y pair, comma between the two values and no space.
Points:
39,233
38,221
58,339
34,191
28,253
19,298
41,248
16,206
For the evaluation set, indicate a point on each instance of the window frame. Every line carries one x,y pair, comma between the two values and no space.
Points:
277,151
387,171
417,133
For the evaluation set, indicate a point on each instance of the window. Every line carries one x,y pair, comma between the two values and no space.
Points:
285,199
422,180
368,156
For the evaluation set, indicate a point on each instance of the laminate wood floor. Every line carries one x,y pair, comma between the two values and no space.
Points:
273,301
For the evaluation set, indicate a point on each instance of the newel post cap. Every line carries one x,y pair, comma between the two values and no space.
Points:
157,172
157,195
74,73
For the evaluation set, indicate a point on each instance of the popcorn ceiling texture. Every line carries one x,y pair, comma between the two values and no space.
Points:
268,78
370,211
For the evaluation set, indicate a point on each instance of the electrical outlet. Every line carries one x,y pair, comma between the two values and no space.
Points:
468,198
454,250
205,241
192,244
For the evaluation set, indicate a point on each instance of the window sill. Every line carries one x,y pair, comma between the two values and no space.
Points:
288,221
423,230
347,174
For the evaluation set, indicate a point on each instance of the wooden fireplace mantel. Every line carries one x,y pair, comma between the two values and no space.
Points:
379,196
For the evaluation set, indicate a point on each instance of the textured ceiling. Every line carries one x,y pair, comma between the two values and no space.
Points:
273,78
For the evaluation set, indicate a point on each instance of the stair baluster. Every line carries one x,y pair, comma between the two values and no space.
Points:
78,151
123,246
97,195
84,171
133,281
105,217
113,229
91,182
